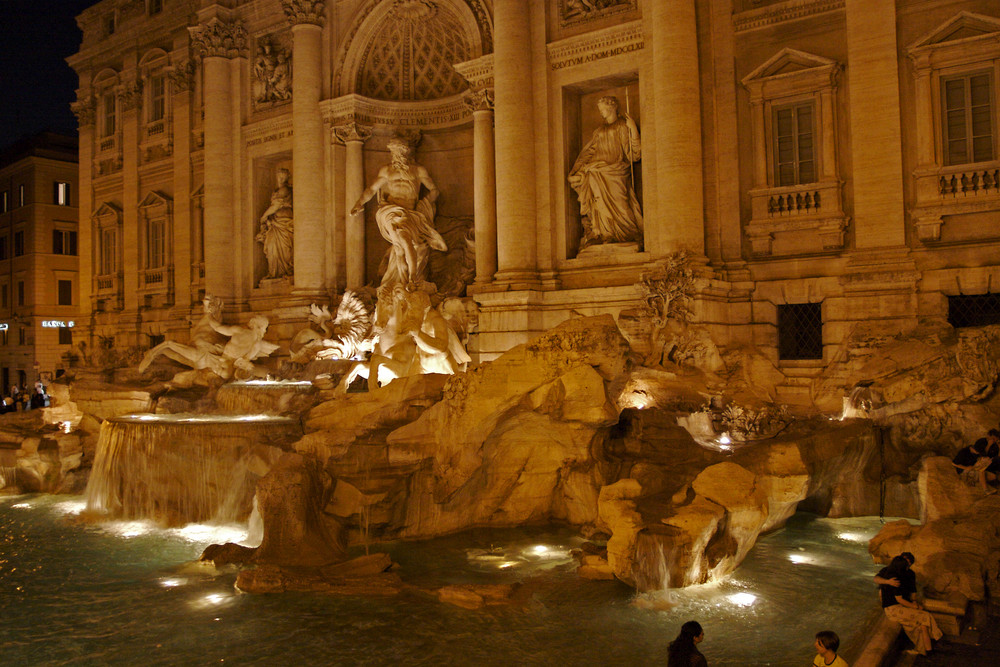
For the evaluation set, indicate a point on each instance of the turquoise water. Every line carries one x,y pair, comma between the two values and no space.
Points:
128,594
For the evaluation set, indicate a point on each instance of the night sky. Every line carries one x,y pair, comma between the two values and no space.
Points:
36,84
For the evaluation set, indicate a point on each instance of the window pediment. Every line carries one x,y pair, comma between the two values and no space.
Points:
155,201
791,72
955,39
107,213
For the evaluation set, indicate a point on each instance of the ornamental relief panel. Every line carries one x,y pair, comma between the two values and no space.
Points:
572,12
271,71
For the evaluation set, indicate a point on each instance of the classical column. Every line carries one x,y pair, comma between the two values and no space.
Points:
353,136
306,18
219,41
876,134
485,185
84,108
181,77
517,245
677,93
130,103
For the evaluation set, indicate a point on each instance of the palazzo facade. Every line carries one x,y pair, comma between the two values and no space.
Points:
830,167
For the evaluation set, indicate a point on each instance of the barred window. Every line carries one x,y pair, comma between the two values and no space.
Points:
973,310
800,331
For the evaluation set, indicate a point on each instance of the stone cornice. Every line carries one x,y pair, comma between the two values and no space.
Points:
783,11
226,39
446,112
596,45
309,12
478,72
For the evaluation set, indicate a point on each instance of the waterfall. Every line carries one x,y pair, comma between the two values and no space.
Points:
259,396
178,469
8,476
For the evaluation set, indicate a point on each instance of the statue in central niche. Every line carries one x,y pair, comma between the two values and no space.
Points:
404,218
276,228
602,178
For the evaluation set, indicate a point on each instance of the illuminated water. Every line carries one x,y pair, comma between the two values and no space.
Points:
126,594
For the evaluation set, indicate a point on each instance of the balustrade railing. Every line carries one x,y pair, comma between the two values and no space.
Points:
792,203
970,183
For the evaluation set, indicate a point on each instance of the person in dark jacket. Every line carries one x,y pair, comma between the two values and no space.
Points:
683,651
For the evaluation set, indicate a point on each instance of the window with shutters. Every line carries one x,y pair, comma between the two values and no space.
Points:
969,118
796,202
956,70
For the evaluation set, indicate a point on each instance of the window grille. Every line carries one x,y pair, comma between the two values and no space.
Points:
973,310
800,331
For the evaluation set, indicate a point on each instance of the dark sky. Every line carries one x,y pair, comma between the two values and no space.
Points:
36,84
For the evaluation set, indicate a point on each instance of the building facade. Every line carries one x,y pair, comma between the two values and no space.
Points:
831,168
39,280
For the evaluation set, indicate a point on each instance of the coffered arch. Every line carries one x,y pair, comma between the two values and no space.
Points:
404,50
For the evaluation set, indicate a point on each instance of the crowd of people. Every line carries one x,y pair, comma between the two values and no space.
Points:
19,399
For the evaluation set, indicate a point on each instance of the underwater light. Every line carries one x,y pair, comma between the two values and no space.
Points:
724,439
540,549
22,506
798,558
506,564
743,599
71,506
170,583
851,537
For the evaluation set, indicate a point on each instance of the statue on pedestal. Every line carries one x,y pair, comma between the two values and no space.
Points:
405,219
277,228
602,178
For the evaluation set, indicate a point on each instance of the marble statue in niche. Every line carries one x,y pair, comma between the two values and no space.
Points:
277,228
404,218
602,177
272,74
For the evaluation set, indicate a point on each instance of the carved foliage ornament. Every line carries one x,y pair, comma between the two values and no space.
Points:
182,76
578,11
304,11
352,132
226,39
480,100
130,95
84,109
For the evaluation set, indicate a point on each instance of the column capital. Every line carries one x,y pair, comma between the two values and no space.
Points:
225,39
480,99
130,94
352,132
308,12
182,76
85,109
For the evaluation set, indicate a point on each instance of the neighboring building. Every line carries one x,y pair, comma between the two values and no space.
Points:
833,166
39,262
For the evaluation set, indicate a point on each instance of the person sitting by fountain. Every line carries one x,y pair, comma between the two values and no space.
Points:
827,643
897,588
683,651
972,463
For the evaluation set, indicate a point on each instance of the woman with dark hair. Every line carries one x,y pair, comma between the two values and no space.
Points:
683,651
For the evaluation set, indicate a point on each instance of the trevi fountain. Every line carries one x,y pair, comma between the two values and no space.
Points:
345,472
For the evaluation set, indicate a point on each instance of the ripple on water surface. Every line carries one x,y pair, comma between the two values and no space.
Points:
79,594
